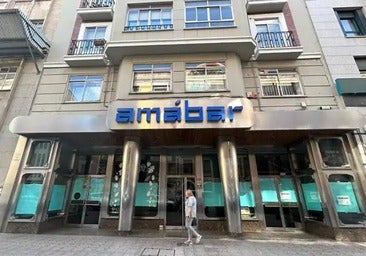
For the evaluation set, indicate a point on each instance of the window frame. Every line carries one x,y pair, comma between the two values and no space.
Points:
68,95
149,26
6,74
206,78
29,152
84,26
209,22
261,19
358,20
277,74
152,69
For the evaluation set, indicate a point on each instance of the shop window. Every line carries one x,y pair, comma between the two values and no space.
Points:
149,18
147,189
115,190
84,88
92,164
28,197
213,198
311,197
332,152
180,165
39,154
352,22
149,78
346,199
208,13
247,201
279,83
205,76
57,200
273,164
7,75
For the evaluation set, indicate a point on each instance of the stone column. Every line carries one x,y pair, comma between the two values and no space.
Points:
230,180
129,178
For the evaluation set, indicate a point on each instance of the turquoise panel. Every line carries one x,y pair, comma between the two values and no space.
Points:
114,197
311,196
96,189
268,190
246,194
147,194
212,194
344,197
28,198
57,198
287,190
78,187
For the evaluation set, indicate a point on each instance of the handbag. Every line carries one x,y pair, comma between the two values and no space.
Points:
194,222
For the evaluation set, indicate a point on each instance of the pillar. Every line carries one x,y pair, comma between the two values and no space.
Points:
129,178
230,180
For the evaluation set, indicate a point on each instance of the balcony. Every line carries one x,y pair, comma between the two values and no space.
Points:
243,46
20,38
96,10
86,53
265,6
277,46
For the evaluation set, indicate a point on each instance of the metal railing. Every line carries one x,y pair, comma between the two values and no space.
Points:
149,27
87,47
97,3
275,39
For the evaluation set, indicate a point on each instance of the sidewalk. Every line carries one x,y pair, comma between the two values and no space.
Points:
110,245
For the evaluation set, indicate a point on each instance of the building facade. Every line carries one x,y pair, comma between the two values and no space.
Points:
140,100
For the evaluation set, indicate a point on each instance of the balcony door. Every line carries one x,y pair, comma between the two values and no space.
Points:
269,33
92,40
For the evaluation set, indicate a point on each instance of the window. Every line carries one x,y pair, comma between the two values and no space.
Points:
361,64
39,154
279,83
84,88
38,24
346,199
213,196
208,13
7,75
141,19
151,77
332,152
205,76
247,201
91,39
352,22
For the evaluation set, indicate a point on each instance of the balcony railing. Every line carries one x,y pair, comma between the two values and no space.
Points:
97,3
275,39
87,47
149,27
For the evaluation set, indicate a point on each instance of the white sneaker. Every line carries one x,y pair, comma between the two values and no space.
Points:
198,239
188,242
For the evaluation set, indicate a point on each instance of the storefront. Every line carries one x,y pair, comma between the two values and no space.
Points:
250,171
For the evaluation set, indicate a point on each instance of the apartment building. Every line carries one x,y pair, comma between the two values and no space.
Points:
140,100
23,45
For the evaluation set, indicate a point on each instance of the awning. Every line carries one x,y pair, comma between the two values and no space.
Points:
46,123
19,37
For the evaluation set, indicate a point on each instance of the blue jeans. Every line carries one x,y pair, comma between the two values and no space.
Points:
190,229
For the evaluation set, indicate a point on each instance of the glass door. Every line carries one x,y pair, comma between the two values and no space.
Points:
175,199
280,203
85,199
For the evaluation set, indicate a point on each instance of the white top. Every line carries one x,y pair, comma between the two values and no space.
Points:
191,201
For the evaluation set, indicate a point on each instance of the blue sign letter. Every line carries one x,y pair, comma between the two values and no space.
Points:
172,115
193,110
216,114
231,111
148,112
124,115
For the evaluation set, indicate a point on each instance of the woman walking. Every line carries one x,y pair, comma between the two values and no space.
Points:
191,214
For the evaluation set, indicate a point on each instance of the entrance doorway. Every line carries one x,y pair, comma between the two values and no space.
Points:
85,199
175,200
281,208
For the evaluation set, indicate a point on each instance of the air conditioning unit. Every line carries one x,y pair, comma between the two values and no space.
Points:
252,95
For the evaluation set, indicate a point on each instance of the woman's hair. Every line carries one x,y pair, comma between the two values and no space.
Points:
189,192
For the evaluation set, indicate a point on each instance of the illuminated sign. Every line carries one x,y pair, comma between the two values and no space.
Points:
174,114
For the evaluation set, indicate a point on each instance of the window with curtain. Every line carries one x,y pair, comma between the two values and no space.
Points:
279,83
152,78
149,18
205,76
84,88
